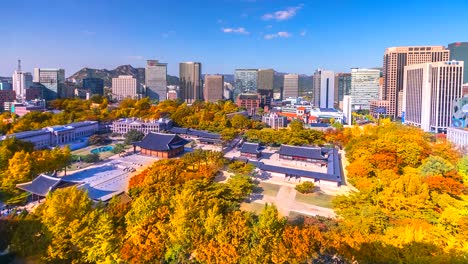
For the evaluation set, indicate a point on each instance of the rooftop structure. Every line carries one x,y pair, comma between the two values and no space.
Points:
124,125
162,145
250,150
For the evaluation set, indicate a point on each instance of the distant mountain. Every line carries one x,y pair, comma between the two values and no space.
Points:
107,75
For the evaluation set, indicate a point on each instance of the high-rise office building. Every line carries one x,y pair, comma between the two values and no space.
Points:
324,88
265,79
125,86
459,52
291,86
156,80
191,88
214,85
429,92
5,85
364,87
342,87
53,81
94,85
21,82
245,81
394,61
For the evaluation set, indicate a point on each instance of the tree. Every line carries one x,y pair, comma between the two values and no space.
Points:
296,125
91,158
133,136
118,148
305,187
240,122
435,165
462,167
19,170
98,140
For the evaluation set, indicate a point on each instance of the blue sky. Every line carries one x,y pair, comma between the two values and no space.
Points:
289,36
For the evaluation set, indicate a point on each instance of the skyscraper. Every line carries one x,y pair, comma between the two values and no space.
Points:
324,88
429,92
191,88
156,80
291,86
245,81
94,85
53,81
459,52
394,61
342,87
214,85
364,87
125,86
265,79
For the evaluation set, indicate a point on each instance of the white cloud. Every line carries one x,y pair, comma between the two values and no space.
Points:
281,34
89,33
303,33
239,30
135,57
282,14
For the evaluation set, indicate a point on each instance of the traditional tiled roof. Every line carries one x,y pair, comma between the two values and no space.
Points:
304,152
251,148
161,142
41,185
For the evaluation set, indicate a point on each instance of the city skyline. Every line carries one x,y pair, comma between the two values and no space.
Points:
288,37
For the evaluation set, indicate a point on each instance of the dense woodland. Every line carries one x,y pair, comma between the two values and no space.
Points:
411,205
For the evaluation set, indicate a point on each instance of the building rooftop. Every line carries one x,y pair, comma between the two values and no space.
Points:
161,142
41,185
303,152
26,134
251,148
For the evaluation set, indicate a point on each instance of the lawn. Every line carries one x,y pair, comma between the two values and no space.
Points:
253,207
269,189
317,198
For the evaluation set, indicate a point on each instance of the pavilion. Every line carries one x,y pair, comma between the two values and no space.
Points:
42,185
161,145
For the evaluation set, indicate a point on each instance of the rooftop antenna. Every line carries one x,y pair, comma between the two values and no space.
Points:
19,65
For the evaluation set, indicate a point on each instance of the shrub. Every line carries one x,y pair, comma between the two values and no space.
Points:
91,158
305,187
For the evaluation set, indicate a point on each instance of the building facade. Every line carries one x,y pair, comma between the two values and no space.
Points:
162,145
125,86
245,81
52,80
275,121
459,137
364,87
213,90
265,79
394,61
57,135
191,88
21,82
156,80
342,87
94,85
429,92
124,125
6,96
251,102
459,52
291,86
324,89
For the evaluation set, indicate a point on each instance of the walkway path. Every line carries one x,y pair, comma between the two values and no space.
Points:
286,203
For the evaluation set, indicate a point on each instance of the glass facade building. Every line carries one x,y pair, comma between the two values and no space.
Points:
94,85
191,88
53,81
342,86
245,81
459,52
364,87
156,80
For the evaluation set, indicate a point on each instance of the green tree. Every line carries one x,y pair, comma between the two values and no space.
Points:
133,136
435,165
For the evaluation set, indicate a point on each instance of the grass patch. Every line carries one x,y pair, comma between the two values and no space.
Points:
253,207
269,188
317,198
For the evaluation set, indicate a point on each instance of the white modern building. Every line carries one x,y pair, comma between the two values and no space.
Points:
324,88
291,86
125,86
156,80
459,137
364,87
21,82
57,135
124,125
429,90
347,109
275,121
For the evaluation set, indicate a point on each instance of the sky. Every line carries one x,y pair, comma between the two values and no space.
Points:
288,36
